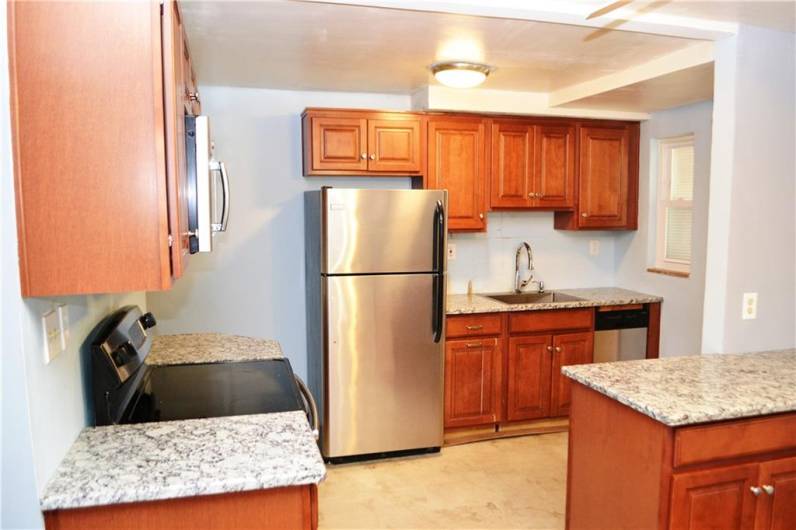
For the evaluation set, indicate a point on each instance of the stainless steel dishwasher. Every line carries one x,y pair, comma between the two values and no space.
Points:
620,335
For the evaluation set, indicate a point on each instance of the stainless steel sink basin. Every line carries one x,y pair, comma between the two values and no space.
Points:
533,298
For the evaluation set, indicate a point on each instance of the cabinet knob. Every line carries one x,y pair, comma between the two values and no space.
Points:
768,489
584,214
193,96
363,156
549,348
558,349
755,490
373,157
480,216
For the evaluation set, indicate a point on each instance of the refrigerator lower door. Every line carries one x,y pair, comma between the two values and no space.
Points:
383,369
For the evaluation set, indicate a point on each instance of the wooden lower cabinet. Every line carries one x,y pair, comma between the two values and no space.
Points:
289,508
472,369
528,381
627,470
571,348
714,498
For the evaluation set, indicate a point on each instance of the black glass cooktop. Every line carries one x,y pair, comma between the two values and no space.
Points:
212,390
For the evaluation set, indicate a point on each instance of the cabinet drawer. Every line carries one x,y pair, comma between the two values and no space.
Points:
551,320
705,443
474,325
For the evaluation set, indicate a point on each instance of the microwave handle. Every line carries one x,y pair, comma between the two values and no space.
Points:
222,226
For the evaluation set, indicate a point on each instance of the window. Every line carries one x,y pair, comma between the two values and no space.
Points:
675,204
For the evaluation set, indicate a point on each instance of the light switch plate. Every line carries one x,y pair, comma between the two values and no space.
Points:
451,252
594,247
63,322
749,306
51,327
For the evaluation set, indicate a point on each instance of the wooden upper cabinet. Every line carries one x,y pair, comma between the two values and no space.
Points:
714,498
777,510
528,377
568,349
532,166
607,179
512,165
472,369
457,151
554,173
97,206
341,142
394,145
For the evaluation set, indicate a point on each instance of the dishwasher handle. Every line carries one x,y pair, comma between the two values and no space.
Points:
310,407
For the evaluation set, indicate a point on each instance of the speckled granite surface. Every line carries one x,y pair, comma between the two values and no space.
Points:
460,304
697,388
149,461
194,348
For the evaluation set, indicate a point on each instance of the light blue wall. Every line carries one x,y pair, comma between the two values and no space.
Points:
43,406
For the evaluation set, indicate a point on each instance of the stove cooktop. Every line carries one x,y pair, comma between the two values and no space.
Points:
212,390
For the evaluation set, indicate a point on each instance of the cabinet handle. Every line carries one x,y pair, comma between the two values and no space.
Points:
373,157
475,327
558,349
478,345
768,489
533,195
755,490
584,214
193,96
363,156
480,216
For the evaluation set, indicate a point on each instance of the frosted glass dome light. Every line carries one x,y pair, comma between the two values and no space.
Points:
460,74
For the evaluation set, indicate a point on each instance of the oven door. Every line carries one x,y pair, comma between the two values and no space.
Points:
208,186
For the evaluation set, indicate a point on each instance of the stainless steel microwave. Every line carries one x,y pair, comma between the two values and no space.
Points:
208,186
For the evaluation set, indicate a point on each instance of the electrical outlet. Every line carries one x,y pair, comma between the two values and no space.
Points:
451,252
63,322
594,247
51,327
749,309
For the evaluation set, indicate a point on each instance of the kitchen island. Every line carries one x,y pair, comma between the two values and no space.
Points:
698,442
245,471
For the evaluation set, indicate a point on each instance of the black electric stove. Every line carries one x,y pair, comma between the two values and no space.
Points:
127,390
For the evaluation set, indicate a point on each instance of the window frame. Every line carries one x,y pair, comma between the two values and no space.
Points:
663,202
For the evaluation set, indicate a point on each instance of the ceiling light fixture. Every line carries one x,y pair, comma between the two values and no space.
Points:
460,74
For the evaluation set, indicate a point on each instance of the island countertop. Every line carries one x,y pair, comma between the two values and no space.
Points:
165,460
462,304
699,388
195,348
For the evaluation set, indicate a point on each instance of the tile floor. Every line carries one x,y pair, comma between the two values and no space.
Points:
515,483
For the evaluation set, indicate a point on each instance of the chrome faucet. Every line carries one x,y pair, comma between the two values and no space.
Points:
519,285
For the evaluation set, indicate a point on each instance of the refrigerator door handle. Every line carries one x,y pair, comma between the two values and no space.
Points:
439,237
438,298
438,303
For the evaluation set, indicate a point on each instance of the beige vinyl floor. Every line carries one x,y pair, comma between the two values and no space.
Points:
514,483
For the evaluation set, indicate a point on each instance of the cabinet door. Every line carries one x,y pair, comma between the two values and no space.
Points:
394,145
718,498
603,188
528,385
457,162
777,509
554,175
471,382
339,144
512,165
571,348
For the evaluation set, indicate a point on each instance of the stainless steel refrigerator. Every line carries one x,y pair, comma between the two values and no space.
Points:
375,267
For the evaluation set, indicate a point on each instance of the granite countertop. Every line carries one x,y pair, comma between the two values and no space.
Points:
149,461
192,348
461,304
698,388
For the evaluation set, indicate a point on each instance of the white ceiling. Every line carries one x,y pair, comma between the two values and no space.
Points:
316,46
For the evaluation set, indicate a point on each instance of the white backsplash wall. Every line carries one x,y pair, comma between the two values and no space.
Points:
561,258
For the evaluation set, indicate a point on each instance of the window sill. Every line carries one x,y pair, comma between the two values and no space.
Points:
669,272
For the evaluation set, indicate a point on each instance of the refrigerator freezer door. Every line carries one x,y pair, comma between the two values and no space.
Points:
381,231
383,369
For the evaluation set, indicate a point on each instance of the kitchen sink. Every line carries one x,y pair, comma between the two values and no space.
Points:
533,298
